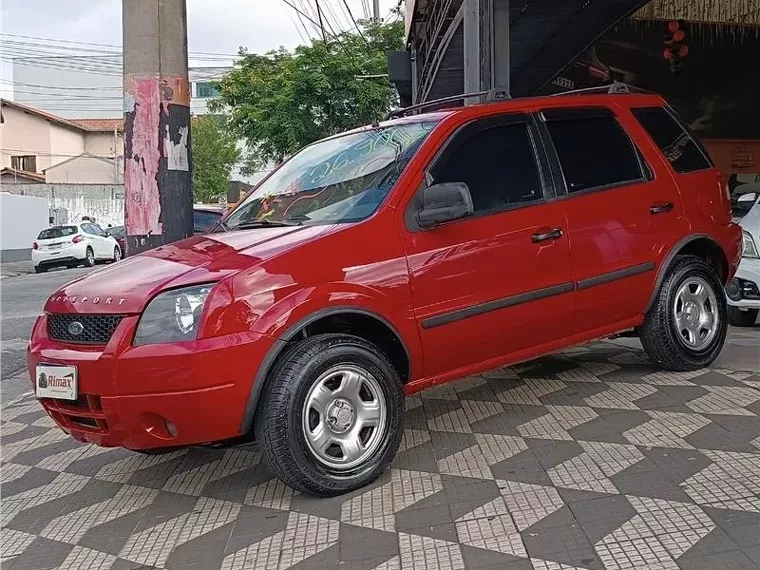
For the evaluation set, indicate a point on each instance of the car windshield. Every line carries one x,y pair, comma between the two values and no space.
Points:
57,232
342,179
117,232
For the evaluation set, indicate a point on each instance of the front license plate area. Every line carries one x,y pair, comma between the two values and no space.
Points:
57,382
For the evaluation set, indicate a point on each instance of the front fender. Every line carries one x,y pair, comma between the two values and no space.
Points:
292,313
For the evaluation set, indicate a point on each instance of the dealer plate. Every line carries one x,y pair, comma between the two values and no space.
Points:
59,382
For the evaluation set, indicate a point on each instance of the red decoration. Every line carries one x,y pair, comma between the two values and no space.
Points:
678,35
684,51
673,26
667,54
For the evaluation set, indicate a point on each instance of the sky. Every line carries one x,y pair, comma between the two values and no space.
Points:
216,26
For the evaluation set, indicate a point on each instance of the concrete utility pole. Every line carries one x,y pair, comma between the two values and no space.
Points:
158,200
376,9
486,46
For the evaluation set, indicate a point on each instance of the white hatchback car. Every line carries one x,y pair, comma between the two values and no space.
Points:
743,291
72,245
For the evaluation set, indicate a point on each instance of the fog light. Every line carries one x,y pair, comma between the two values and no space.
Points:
733,290
171,428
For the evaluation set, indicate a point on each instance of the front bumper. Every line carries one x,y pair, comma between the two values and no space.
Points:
147,397
744,289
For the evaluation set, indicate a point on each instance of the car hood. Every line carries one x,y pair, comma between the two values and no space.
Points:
127,286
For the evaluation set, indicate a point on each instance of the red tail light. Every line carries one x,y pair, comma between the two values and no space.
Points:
77,239
35,246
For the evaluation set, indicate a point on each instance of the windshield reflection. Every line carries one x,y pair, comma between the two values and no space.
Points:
342,179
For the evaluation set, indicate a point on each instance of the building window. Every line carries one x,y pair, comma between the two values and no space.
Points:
206,90
26,163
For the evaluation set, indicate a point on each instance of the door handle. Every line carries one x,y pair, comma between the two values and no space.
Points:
660,208
554,233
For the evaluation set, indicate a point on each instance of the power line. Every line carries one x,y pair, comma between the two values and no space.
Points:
356,24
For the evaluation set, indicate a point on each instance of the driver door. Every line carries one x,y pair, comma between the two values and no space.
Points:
498,282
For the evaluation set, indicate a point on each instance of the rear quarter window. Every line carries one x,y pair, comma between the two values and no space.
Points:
683,151
57,232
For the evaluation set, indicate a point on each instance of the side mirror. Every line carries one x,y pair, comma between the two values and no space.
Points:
443,203
748,198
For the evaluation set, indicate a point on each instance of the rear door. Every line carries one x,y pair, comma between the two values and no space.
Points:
96,241
621,212
499,281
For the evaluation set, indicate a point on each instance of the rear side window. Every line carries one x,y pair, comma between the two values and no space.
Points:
682,151
57,232
594,151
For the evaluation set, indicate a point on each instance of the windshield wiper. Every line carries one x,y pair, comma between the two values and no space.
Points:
264,224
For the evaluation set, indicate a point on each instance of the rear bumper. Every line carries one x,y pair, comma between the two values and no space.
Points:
154,396
63,256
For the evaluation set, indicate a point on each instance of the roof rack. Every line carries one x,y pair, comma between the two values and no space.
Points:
615,87
490,95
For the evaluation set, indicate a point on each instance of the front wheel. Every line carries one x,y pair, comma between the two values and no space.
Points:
332,419
739,318
687,324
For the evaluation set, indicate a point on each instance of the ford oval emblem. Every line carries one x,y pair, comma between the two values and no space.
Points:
76,328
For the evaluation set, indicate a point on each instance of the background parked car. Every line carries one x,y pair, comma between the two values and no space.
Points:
72,245
743,291
205,217
119,233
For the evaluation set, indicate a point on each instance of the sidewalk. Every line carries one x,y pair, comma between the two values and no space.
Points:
592,459
15,268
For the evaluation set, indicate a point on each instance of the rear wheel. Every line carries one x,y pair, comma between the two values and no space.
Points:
116,254
742,318
89,260
687,324
332,419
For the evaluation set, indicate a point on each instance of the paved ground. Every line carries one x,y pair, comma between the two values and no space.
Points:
592,458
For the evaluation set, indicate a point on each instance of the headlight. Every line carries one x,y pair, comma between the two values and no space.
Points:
172,316
749,248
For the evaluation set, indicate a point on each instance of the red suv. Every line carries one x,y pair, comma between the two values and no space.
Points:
389,259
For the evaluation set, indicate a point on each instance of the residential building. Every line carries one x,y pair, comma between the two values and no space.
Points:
38,145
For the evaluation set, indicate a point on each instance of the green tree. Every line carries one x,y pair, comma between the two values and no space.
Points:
283,100
214,153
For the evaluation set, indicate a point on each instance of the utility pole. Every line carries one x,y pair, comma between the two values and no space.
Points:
376,10
158,200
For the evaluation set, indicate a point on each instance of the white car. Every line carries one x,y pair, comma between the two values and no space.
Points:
743,291
72,245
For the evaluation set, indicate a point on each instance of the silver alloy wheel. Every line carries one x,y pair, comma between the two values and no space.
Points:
344,417
696,313
90,256
116,254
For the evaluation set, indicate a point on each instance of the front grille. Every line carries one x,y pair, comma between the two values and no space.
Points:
95,329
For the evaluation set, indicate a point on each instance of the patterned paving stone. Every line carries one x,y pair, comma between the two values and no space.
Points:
589,459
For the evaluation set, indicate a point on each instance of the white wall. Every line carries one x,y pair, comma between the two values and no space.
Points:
21,219
104,202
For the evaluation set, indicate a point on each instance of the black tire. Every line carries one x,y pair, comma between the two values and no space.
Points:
659,335
746,318
89,260
278,420
40,269
116,254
